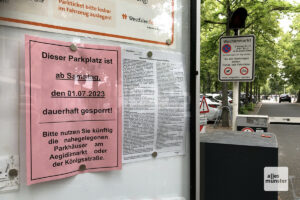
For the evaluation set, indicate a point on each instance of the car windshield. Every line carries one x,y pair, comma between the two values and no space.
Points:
219,97
212,99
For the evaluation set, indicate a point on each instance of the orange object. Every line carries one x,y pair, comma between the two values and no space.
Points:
266,136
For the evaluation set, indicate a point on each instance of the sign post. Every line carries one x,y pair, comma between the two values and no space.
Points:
236,58
236,64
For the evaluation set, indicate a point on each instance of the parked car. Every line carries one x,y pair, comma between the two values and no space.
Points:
218,97
214,108
285,97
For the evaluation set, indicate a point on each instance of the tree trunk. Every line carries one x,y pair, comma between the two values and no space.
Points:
216,86
208,82
250,98
240,89
298,97
247,93
258,93
203,87
255,92
225,119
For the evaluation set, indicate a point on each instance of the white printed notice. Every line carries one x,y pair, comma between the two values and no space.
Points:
154,108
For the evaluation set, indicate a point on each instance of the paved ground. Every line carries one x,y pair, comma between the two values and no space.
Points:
288,137
283,109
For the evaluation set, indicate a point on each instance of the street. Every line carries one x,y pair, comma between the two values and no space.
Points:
288,137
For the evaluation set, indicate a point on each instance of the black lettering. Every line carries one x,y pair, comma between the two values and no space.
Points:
44,55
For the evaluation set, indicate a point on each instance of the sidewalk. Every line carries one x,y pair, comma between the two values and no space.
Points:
210,127
256,109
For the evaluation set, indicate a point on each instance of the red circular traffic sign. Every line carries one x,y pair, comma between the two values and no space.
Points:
227,71
244,70
226,48
247,129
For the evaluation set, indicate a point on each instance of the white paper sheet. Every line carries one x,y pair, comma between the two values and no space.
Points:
154,111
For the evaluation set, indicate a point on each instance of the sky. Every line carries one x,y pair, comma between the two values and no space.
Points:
287,21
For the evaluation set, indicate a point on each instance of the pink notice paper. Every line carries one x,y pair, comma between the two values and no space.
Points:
73,109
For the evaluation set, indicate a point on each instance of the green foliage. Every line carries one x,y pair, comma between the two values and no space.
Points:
246,108
243,110
263,22
291,90
276,84
290,51
250,106
266,89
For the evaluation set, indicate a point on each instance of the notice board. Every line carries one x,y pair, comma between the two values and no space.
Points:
139,21
160,171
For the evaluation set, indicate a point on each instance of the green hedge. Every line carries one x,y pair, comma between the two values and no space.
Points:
243,110
250,107
246,108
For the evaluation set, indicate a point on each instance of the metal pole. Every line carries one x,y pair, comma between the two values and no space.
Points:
194,133
235,108
235,90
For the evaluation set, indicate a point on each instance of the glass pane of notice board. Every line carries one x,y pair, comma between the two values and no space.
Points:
97,99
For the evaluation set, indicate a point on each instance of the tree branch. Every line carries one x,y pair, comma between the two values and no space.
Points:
213,22
267,39
219,37
242,31
221,2
280,8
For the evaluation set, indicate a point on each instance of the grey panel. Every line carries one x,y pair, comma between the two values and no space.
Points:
252,121
240,138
